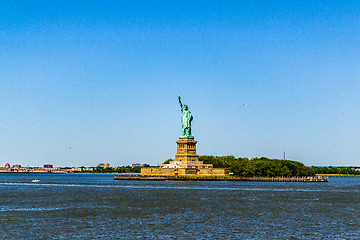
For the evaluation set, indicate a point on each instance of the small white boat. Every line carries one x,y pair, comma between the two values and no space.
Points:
36,180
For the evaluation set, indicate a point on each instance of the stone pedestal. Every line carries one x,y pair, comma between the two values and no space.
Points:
186,150
186,163
186,156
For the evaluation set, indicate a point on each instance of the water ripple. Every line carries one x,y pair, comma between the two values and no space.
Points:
235,188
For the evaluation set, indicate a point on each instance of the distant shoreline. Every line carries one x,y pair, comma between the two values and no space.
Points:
320,175
98,173
61,172
337,175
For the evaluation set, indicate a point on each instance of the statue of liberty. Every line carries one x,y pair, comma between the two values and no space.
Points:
186,119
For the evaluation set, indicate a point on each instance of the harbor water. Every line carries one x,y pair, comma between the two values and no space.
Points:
94,206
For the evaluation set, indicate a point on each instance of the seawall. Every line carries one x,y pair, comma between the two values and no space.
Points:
196,178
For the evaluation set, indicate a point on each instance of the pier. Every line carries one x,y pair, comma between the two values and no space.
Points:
140,177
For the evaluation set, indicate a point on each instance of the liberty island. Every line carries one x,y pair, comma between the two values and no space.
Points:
187,166
186,162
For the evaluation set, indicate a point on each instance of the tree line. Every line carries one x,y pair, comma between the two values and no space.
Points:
336,170
245,167
123,169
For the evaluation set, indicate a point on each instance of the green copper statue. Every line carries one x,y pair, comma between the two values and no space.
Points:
186,119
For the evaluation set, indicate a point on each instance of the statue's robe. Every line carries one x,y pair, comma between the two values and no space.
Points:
186,118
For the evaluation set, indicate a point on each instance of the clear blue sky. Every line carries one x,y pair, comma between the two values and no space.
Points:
84,82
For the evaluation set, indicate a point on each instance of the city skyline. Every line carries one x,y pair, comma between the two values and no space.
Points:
90,81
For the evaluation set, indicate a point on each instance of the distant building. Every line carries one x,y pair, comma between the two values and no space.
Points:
103,165
140,165
7,165
48,166
17,166
89,169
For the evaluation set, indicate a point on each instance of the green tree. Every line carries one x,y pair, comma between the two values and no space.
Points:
168,161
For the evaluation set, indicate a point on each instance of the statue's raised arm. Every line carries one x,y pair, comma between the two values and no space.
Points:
180,102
